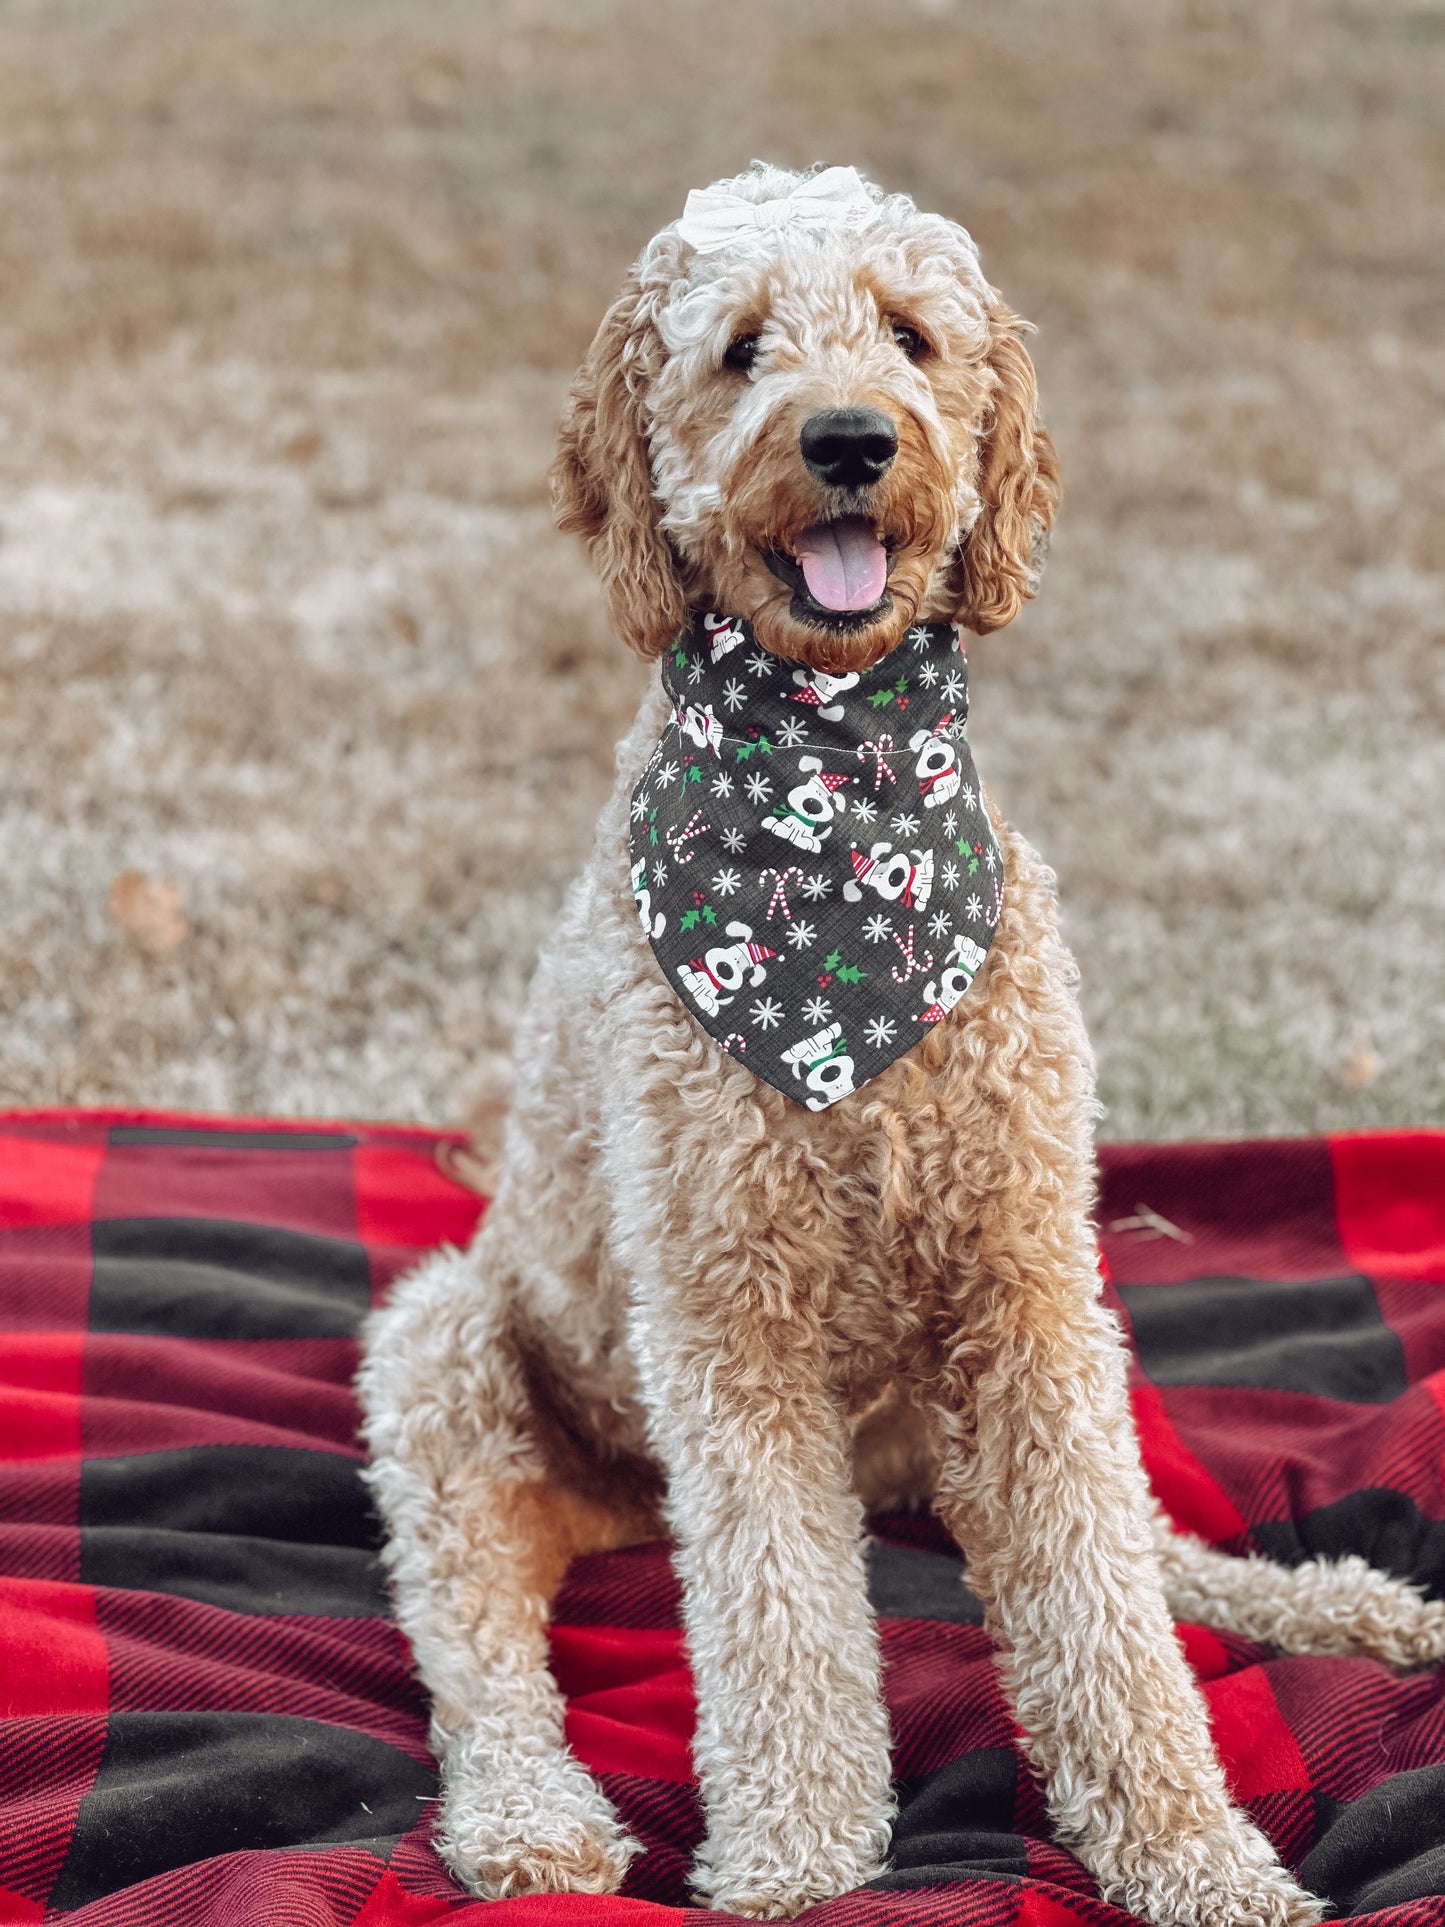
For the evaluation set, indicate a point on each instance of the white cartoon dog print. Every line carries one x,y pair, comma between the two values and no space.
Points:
724,634
937,765
805,816
651,926
960,967
725,968
702,726
898,876
820,690
829,1069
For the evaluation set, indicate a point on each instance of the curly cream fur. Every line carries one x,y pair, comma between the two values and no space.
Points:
751,1314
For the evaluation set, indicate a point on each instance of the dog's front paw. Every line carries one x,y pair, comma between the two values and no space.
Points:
779,1878
760,1894
546,1830
1220,1877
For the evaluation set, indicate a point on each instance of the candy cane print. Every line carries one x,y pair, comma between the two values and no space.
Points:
678,839
909,959
734,1037
780,889
881,767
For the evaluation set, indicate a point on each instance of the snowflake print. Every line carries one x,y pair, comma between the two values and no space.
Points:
877,928
950,823
734,695
639,807
792,733
817,1010
865,811
928,674
918,636
726,881
801,935
880,1032
991,857
667,774
659,874
973,908
950,874
905,825
954,686
759,663
733,841
817,886
767,1014
969,799
758,787
722,784
694,674
939,925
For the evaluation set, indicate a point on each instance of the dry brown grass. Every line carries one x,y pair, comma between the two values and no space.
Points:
288,295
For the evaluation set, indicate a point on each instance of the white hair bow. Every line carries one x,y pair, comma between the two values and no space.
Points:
716,217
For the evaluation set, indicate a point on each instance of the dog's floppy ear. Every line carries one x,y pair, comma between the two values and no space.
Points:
1002,556
602,481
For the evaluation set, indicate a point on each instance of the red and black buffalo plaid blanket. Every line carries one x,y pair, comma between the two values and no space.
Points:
207,1718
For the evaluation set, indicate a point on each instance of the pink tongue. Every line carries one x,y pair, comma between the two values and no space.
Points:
844,564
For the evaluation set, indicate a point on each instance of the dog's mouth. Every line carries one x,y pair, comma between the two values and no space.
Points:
838,572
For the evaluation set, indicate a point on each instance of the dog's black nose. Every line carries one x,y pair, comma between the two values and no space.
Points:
848,447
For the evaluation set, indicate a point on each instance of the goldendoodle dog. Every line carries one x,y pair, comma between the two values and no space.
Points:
793,1217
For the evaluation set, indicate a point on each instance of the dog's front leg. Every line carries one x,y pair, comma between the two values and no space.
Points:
1042,1484
791,1747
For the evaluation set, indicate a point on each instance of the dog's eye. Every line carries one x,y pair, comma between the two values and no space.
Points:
910,341
741,354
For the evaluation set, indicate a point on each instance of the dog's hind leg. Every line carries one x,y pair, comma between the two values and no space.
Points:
1339,1606
480,1534
895,1456
1041,1483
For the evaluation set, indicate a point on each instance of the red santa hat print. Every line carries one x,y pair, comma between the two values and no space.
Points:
863,866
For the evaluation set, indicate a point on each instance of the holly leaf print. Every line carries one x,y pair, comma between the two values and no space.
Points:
850,974
972,865
690,919
692,774
881,698
709,915
745,750
652,828
832,960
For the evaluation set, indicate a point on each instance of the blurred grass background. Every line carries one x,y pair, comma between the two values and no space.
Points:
305,711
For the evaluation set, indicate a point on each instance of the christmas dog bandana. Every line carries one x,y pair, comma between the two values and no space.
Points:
811,858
